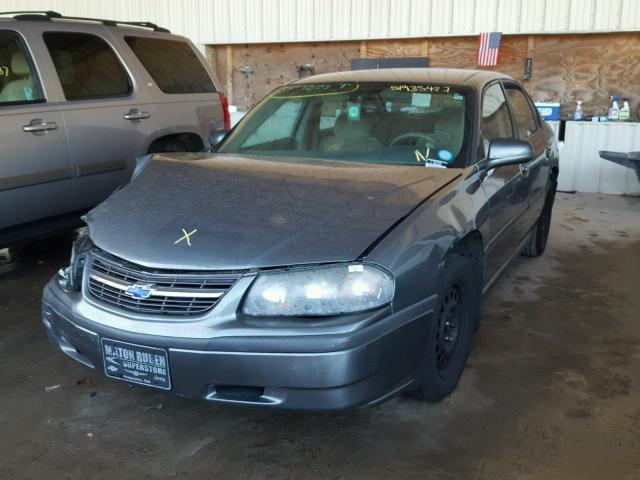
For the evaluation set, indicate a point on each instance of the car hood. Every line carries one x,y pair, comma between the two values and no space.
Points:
250,212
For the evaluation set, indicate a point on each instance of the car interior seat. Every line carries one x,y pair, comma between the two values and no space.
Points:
354,135
21,88
449,129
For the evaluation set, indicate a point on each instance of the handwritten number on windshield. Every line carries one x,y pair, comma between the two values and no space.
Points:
421,88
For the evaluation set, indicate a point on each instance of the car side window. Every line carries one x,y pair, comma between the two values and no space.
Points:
522,112
495,121
172,64
87,66
19,82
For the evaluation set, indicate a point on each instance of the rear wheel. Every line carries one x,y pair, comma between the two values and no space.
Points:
181,144
540,233
453,323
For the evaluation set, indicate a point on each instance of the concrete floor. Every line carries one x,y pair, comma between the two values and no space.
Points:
552,389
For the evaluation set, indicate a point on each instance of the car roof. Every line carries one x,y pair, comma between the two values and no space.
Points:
453,76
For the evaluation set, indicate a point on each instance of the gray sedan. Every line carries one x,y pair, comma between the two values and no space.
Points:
331,253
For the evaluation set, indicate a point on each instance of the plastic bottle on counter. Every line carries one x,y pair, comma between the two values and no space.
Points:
577,115
614,111
625,111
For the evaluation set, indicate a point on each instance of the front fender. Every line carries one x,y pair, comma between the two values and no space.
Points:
414,251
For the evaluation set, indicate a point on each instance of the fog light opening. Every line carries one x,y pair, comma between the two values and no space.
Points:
239,392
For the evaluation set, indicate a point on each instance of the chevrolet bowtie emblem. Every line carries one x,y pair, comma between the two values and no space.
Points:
186,236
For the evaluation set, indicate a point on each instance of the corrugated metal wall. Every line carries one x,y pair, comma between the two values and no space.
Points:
274,21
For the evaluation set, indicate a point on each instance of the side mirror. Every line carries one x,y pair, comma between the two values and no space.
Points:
508,151
217,136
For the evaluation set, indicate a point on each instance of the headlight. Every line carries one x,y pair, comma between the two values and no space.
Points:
70,278
328,290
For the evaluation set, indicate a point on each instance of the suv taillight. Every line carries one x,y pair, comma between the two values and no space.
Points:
224,103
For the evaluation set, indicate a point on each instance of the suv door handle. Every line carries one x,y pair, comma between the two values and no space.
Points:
135,114
37,125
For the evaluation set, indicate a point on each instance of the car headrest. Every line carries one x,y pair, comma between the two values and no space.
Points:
450,118
346,128
19,65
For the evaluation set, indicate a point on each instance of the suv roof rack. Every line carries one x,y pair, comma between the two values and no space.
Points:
49,15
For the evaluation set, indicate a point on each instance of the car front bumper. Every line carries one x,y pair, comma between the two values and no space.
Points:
301,372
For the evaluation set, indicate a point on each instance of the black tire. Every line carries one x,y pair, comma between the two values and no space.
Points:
540,233
454,321
182,144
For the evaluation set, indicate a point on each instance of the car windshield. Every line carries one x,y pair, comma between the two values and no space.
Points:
376,122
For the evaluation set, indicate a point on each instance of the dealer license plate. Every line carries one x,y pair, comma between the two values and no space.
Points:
136,363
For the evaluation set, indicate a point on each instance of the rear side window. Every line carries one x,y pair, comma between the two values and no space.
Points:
87,66
172,64
522,113
18,80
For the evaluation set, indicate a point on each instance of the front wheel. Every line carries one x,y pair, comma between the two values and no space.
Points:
452,325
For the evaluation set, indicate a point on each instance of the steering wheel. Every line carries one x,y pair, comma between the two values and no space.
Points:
421,139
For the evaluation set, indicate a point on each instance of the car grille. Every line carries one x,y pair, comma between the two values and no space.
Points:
164,292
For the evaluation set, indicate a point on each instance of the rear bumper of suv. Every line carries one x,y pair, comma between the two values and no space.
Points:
302,372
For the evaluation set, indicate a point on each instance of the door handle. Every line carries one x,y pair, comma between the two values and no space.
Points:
135,114
37,125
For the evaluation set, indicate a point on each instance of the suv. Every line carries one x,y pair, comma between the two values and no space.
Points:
80,100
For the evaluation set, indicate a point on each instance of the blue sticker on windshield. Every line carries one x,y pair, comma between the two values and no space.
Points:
445,155
457,96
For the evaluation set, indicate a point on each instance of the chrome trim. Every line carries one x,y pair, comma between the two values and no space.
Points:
157,292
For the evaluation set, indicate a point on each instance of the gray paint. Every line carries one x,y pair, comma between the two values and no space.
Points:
253,213
557,353
256,212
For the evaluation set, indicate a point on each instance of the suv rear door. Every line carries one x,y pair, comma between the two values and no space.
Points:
107,113
182,83
35,173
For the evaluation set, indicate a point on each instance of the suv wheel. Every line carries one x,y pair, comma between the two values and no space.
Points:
181,144
451,328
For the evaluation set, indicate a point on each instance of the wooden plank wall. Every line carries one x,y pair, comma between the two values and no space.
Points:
565,67
274,65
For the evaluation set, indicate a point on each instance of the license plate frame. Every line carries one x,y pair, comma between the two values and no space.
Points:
133,363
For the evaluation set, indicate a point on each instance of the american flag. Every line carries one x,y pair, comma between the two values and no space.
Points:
489,47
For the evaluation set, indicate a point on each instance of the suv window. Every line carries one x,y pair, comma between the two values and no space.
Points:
522,112
87,66
172,64
18,80
495,121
